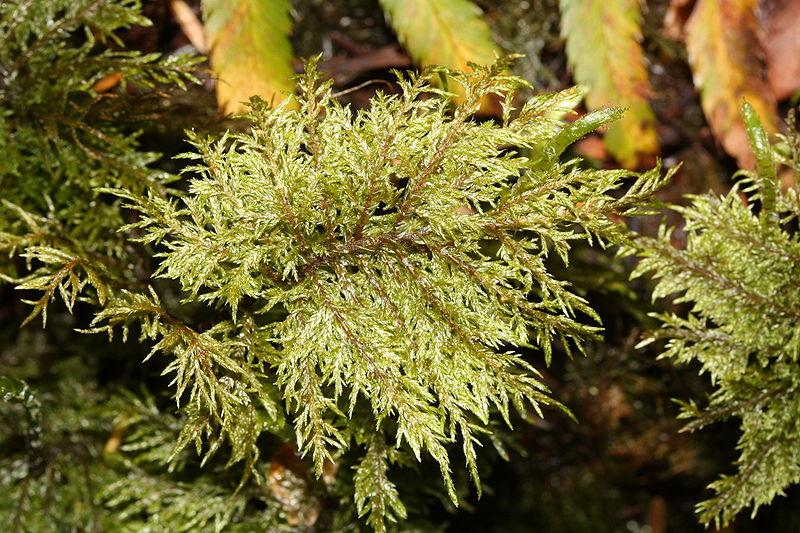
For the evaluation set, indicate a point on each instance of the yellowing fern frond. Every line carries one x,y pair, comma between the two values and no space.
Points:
603,47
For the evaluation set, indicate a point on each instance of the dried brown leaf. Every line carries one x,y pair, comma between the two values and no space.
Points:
190,24
288,483
726,56
781,21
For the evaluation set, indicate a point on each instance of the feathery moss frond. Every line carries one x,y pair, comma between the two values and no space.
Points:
388,260
356,281
738,274
60,138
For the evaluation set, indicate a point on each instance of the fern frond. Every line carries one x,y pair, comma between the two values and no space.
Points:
450,33
250,50
604,50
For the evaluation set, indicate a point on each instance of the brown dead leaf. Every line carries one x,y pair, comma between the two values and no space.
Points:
592,147
675,20
288,483
190,24
345,69
329,471
722,38
781,21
